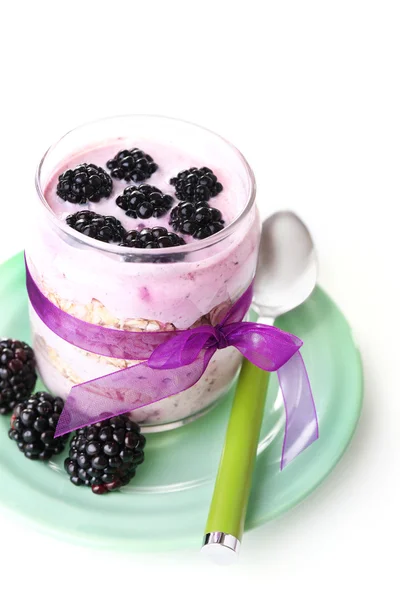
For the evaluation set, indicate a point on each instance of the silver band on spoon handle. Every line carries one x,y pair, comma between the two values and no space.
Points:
223,548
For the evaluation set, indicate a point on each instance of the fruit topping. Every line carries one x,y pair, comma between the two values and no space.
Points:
144,201
196,185
132,165
99,227
85,183
199,220
156,237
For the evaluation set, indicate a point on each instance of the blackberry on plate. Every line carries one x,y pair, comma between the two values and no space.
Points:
199,220
17,373
99,227
33,425
85,183
104,456
155,237
132,165
144,201
196,185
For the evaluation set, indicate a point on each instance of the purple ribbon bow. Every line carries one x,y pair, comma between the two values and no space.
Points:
174,361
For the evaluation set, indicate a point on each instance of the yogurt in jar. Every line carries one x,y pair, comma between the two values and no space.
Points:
126,288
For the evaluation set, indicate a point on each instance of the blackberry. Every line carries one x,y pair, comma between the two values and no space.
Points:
144,201
99,227
132,165
17,373
156,237
85,183
104,456
33,425
198,220
196,185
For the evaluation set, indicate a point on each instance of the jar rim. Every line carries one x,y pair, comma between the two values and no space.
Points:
144,252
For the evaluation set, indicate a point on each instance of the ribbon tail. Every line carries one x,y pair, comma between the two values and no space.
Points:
301,427
127,390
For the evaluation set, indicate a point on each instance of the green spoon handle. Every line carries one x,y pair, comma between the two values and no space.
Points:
232,487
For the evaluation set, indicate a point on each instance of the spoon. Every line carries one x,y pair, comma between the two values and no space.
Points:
285,277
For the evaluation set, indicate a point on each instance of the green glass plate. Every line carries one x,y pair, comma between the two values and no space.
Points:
166,505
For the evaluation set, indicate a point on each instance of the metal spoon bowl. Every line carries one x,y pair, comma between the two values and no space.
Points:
287,265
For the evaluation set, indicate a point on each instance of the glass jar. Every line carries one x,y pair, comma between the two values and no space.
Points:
132,289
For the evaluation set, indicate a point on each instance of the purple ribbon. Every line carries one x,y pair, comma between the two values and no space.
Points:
174,361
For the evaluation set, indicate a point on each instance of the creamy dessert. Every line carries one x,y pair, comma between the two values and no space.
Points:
173,256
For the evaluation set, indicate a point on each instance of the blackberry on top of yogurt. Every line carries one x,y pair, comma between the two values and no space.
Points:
199,220
84,183
155,237
132,165
144,201
196,185
100,227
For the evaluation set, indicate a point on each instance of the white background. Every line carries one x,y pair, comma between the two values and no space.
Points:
309,91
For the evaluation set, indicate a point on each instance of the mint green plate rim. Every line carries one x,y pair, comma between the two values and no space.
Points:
169,521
